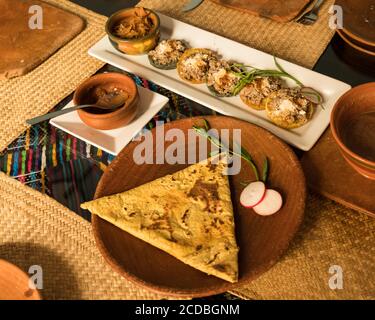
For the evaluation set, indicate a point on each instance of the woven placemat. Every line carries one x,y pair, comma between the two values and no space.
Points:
291,41
36,230
41,89
330,236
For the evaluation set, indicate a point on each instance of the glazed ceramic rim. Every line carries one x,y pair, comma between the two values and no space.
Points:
109,114
146,37
354,156
353,45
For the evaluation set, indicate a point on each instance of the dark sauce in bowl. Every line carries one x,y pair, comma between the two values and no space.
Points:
108,94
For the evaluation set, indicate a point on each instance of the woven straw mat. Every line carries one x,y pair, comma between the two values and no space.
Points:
36,230
292,41
331,235
41,89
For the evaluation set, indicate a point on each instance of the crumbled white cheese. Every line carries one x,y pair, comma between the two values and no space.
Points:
290,108
163,47
218,76
287,106
197,61
192,61
167,52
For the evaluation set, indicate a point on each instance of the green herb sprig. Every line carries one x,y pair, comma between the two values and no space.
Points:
244,154
266,169
265,174
250,73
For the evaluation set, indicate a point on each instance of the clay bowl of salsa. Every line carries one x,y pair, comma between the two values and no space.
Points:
353,128
107,88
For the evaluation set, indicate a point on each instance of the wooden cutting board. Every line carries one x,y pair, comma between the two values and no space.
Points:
281,11
328,173
22,48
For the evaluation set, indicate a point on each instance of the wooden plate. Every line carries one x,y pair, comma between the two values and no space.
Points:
14,284
262,240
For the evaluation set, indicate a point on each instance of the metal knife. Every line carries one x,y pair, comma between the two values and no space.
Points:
192,5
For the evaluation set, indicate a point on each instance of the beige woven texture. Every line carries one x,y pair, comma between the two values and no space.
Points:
291,41
40,90
331,235
36,230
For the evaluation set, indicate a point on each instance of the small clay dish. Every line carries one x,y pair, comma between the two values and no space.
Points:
133,46
90,91
14,284
356,104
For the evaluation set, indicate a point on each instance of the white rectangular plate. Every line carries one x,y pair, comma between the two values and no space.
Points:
113,141
303,138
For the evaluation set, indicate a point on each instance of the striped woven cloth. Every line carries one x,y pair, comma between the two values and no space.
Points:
67,168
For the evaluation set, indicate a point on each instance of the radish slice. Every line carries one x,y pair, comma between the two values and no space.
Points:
271,203
312,95
253,194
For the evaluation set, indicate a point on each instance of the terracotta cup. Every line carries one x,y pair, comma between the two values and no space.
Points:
359,100
111,120
137,46
14,283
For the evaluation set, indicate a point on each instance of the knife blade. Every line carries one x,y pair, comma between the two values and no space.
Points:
192,5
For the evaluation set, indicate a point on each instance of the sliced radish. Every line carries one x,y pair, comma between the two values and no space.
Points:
253,194
271,203
312,95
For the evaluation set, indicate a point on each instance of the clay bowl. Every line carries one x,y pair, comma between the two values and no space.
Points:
357,45
262,240
136,46
355,102
14,284
86,94
358,22
358,59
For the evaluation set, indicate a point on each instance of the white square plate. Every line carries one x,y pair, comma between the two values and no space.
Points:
113,141
303,138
